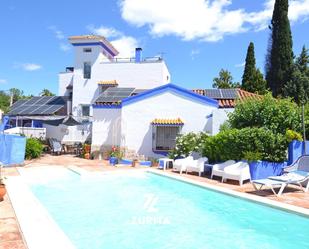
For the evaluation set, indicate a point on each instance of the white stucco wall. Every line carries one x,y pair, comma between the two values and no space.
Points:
65,79
136,118
218,118
106,128
69,134
144,75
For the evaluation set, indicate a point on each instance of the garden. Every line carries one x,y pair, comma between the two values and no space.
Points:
258,131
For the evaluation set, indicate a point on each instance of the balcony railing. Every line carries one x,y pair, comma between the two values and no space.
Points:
133,60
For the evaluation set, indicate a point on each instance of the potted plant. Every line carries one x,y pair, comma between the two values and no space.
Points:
86,151
114,155
134,162
260,169
2,185
154,162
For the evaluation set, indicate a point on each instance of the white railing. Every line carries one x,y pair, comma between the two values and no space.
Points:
28,132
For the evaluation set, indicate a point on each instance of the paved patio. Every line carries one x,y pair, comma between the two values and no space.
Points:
11,237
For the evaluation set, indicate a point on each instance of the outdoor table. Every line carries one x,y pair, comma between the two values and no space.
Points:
164,162
208,168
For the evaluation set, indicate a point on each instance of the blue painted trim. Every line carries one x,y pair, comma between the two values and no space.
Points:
145,163
95,44
126,161
106,106
172,87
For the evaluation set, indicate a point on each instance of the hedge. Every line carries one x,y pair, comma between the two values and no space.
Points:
234,143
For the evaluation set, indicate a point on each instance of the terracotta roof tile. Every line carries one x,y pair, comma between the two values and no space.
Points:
108,82
230,102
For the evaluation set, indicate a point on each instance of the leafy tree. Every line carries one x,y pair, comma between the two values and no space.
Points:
252,79
4,101
276,115
280,59
17,94
298,86
46,92
225,80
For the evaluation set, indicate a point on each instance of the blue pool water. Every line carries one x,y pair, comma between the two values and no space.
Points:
151,212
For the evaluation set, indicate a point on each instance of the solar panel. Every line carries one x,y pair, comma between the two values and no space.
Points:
229,93
114,94
19,103
38,106
221,93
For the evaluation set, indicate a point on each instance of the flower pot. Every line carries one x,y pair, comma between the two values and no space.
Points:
87,156
134,163
264,169
113,160
2,191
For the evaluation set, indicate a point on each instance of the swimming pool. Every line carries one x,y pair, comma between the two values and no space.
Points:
145,210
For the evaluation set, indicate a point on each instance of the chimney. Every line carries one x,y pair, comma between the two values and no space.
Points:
138,54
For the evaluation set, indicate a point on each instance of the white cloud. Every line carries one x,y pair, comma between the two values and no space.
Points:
202,19
194,53
3,81
65,47
30,66
58,33
124,44
107,32
241,64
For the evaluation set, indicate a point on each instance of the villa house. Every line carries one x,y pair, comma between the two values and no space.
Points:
128,102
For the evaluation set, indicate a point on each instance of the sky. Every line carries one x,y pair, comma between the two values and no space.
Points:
197,38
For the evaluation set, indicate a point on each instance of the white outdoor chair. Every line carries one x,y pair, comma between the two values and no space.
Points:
239,171
218,169
181,164
197,165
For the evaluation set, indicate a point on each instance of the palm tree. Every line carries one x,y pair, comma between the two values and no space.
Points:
46,92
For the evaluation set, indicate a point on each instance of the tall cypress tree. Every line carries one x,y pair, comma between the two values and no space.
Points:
252,79
280,59
249,69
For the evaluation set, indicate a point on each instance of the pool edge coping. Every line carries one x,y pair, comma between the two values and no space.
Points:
253,198
39,229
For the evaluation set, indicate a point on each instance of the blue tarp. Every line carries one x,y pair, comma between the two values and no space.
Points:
12,149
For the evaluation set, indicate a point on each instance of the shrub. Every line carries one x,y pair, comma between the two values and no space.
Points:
116,152
187,143
252,156
293,135
276,115
232,144
34,148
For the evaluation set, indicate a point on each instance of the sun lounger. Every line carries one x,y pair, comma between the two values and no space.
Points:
197,165
296,177
269,183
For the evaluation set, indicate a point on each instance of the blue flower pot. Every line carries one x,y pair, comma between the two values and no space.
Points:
264,169
113,160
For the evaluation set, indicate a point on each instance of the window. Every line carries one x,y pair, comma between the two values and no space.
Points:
164,137
87,70
86,110
87,50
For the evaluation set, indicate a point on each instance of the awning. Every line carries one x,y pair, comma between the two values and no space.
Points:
167,122
58,120
108,83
